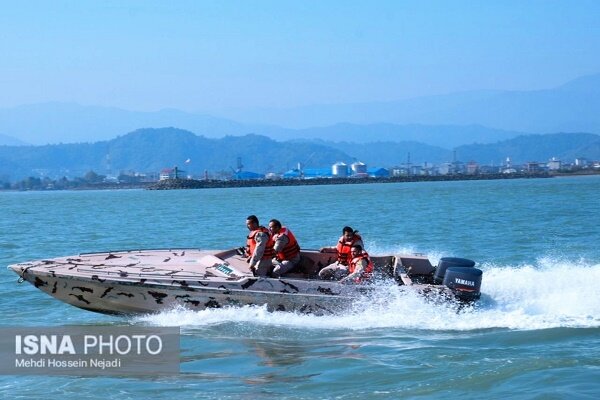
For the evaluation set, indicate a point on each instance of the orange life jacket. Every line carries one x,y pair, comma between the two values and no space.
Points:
366,274
251,243
292,249
343,248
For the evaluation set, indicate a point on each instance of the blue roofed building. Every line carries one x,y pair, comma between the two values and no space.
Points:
308,173
378,172
247,176
292,174
317,173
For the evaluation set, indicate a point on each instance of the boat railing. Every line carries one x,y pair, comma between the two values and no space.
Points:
165,249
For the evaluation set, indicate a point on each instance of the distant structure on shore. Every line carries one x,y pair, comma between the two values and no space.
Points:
359,169
339,172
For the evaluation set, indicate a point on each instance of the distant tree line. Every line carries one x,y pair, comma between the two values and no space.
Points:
91,180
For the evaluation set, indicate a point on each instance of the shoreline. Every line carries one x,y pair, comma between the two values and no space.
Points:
177,184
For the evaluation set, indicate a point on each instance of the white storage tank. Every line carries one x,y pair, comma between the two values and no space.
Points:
359,168
339,170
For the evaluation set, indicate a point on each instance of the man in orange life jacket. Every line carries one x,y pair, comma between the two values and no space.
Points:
259,247
360,268
338,269
286,247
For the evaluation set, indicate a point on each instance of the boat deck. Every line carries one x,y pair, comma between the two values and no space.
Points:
180,264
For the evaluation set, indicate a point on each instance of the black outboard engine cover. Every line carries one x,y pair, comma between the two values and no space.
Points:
465,282
446,262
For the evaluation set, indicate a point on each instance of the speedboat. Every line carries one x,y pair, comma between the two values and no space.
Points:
151,281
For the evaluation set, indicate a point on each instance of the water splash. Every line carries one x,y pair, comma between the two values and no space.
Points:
551,293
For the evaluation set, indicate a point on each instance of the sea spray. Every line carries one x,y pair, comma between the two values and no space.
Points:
549,294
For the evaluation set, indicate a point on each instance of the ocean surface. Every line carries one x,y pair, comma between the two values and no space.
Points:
535,334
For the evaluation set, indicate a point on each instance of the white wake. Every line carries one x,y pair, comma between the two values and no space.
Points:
547,294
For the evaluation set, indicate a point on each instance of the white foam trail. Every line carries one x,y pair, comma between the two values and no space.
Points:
551,293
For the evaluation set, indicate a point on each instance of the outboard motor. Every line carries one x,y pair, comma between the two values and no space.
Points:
446,262
465,282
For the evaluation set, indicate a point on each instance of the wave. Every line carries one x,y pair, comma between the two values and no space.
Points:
548,294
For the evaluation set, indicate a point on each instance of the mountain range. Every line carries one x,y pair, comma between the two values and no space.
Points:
53,123
571,107
67,139
10,141
446,121
151,150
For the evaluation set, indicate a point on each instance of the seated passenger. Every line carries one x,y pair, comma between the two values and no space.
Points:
360,268
338,269
287,250
259,247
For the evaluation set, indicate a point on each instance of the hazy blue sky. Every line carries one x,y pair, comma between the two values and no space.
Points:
211,55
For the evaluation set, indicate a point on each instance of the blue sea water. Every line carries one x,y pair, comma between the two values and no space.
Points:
534,334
